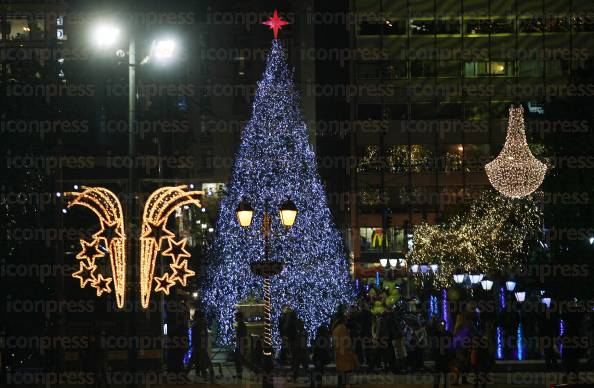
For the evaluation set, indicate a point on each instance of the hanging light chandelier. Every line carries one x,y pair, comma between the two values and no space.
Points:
516,172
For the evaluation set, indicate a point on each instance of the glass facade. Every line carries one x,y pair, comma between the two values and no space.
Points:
449,72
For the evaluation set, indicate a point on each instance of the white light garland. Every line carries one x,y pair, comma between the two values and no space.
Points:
515,172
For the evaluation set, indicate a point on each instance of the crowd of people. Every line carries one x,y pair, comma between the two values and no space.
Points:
399,339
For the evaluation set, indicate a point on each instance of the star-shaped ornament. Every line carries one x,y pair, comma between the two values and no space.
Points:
275,23
89,251
164,283
177,250
109,231
181,272
157,232
102,285
85,274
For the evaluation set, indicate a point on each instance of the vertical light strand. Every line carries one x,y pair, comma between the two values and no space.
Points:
267,318
445,314
520,341
499,339
561,334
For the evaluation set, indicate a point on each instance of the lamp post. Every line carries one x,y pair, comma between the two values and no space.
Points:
267,268
105,35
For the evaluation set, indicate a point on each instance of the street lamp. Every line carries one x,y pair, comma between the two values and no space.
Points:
475,278
459,276
414,268
510,285
384,263
267,268
487,284
244,214
163,50
424,268
520,296
105,34
393,263
288,213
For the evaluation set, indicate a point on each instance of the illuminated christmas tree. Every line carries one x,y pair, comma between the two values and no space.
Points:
275,163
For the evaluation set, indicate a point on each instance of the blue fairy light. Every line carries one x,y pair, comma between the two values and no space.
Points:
275,162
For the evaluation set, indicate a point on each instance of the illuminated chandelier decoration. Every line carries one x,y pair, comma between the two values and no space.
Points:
515,172
159,206
155,238
111,236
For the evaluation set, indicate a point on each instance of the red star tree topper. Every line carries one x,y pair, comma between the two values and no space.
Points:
275,23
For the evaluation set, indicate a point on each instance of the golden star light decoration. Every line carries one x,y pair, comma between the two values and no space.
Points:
515,172
108,210
154,238
159,206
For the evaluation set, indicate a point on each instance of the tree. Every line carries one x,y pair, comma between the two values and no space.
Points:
490,235
274,163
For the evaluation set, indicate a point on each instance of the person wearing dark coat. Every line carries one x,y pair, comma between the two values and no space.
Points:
322,354
441,348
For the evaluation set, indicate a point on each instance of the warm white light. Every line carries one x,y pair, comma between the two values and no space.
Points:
105,35
244,213
163,50
516,172
288,213
510,285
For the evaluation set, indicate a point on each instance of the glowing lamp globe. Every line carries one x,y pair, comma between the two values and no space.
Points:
393,263
244,213
510,285
414,268
515,172
475,278
424,268
384,262
546,301
459,278
520,296
288,213
487,284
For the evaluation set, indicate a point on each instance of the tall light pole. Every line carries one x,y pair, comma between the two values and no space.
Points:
267,268
106,35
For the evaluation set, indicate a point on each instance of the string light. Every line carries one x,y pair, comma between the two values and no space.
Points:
108,210
487,236
516,172
520,342
275,161
499,339
159,206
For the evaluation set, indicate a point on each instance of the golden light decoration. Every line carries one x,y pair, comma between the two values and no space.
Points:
159,206
107,207
488,236
515,172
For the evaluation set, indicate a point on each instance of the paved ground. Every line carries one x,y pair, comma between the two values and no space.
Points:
524,375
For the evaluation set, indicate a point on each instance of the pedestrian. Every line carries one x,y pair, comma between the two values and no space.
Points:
366,324
321,355
200,354
299,356
241,345
441,342
346,361
483,355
